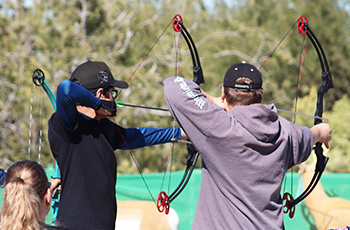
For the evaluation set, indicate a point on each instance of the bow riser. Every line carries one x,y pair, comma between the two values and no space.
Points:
198,76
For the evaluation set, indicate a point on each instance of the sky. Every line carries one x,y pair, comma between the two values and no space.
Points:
210,3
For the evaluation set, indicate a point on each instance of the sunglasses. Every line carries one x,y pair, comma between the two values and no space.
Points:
114,93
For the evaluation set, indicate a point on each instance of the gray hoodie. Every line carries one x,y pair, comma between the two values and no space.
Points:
245,155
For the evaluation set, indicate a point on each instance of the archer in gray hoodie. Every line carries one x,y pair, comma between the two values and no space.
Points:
246,149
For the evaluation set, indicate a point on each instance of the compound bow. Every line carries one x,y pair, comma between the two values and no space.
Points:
327,83
163,200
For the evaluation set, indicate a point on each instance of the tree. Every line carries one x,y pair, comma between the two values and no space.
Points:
56,36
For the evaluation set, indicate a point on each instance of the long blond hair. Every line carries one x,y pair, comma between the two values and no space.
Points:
25,186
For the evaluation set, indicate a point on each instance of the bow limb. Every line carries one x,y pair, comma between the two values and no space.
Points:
327,83
193,155
178,26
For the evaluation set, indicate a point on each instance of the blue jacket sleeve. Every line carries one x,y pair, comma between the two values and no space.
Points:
69,94
2,176
57,172
140,137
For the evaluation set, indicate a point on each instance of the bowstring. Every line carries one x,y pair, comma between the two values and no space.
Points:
301,61
32,121
301,64
137,165
279,43
177,46
40,124
148,52
169,162
125,142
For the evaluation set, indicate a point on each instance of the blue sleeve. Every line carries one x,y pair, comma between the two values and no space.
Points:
69,94
57,172
2,176
140,137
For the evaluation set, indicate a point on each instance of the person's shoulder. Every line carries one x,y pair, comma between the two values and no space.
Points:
53,117
56,228
169,79
55,120
51,227
107,121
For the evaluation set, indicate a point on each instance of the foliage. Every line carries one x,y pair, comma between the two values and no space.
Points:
56,36
339,121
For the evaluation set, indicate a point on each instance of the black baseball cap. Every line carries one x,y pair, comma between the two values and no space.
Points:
94,75
243,70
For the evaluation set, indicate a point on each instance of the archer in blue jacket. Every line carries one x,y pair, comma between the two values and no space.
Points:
83,140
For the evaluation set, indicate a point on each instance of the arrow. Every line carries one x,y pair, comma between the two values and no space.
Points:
122,104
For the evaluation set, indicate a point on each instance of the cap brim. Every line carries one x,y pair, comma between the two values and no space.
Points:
120,84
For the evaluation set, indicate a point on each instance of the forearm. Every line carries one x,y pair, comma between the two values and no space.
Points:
140,137
215,100
70,94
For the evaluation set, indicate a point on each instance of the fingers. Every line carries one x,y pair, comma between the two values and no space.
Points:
327,145
183,135
322,133
328,137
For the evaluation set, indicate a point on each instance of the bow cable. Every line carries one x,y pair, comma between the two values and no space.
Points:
38,78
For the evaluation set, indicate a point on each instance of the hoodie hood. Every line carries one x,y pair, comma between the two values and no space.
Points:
260,120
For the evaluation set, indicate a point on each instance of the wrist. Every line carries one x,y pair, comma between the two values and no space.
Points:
98,107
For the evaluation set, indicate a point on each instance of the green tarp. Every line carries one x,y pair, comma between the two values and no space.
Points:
132,187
